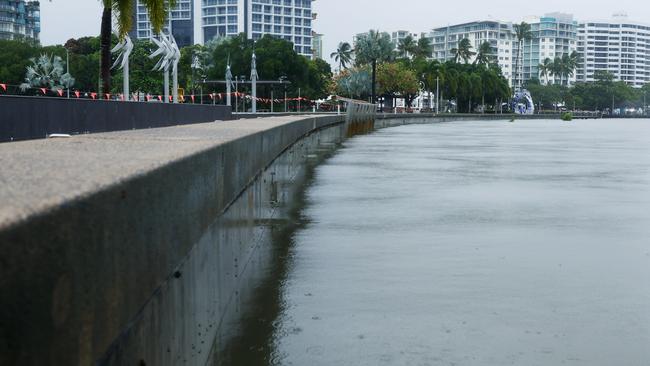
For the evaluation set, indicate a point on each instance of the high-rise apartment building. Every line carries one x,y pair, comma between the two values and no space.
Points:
20,19
199,21
618,46
498,34
554,35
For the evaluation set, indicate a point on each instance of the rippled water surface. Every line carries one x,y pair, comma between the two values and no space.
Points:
471,243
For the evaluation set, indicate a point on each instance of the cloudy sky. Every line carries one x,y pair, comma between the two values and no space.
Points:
339,20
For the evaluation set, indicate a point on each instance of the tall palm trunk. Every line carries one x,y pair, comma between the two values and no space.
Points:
516,70
105,47
374,80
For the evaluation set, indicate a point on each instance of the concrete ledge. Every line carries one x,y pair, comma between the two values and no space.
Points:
24,118
91,226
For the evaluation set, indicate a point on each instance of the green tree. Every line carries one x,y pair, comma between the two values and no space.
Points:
343,55
47,71
423,49
523,33
275,58
568,65
406,46
545,68
354,83
371,49
397,80
485,54
463,51
14,59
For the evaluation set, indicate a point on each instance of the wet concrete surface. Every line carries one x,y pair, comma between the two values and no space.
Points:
466,243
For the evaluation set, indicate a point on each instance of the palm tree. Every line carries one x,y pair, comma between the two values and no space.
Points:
423,48
406,46
484,56
372,48
523,33
343,55
545,68
464,51
123,11
47,72
569,64
557,69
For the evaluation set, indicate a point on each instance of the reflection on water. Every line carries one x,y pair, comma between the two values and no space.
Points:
469,243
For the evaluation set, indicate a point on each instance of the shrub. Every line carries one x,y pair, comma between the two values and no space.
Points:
567,116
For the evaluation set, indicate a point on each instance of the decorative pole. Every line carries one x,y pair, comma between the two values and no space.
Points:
124,47
166,51
254,82
228,84
175,59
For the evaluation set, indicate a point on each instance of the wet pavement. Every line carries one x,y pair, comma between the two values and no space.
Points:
466,243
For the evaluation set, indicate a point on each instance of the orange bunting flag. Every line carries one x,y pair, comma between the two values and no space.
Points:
93,95
60,92
135,97
192,96
160,98
170,99
148,97
3,86
44,90
108,96
77,94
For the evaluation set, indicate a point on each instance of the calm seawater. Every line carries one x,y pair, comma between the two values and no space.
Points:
468,243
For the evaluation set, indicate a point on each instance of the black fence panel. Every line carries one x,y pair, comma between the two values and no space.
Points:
24,118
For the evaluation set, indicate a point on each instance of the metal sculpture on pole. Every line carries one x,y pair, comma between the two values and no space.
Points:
170,55
175,59
228,83
254,77
124,47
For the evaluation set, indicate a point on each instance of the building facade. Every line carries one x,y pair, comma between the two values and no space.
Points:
554,35
500,35
199,21
20,19
317,45
618,46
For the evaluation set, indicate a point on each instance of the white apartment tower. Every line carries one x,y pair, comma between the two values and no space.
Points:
618,46
198,21
499,34
554,35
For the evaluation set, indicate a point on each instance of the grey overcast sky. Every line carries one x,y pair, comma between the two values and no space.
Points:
339,20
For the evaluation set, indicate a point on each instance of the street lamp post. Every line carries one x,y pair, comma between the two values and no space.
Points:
437,94
282,79
236,94
67,67
243,99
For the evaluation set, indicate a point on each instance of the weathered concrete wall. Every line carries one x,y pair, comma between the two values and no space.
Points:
132,260
24,118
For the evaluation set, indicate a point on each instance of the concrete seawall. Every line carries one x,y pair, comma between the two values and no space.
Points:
97,234
142,247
